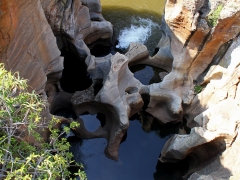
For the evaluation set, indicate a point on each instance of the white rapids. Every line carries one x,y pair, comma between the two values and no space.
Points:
140,30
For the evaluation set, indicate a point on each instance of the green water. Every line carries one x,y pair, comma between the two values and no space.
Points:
140,13
154,6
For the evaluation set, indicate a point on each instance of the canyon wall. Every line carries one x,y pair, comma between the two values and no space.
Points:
28,44
203,86
199,49
32,33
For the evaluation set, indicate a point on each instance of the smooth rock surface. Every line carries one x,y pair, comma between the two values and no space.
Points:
201,60
28,44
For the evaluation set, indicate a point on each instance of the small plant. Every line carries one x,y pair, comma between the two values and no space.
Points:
214,16
19,121
198,89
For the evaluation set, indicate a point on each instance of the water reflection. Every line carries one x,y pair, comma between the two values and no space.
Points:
146,74
151,124
91,123
138,156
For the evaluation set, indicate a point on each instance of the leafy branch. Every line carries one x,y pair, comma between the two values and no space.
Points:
23,152
214,16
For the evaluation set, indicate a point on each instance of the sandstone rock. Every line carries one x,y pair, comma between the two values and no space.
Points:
190,50
114,92
217,90
164,57
138,53
215,122
193,46
77,23
226,166
213,113
28,44
118,99
119,95
177,87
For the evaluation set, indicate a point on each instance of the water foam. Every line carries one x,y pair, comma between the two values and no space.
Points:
140,31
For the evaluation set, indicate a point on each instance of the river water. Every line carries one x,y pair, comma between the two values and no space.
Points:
133,21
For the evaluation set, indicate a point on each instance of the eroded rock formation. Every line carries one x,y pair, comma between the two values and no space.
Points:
76,24
28,44
118,98
34,32
196,53
213,115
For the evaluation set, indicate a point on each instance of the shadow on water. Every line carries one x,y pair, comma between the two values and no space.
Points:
151,124
137,156
171,171
146,74
138,153
93,122
123,18
145,138
74,67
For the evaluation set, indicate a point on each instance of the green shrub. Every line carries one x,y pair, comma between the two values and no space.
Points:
198,89
20,118
214,16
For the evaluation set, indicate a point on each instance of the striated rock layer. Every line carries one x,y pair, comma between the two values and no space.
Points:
27,44
199,53
204,56
77,24
32,32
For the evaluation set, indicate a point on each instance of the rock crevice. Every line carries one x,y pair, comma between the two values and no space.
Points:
201,84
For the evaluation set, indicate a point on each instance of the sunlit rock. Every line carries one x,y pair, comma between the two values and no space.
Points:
118,99
215,122
76,23
27,44
205,56
200,85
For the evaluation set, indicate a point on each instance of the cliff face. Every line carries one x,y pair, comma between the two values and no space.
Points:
77,23
199,49
205,55
32,32
28,44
